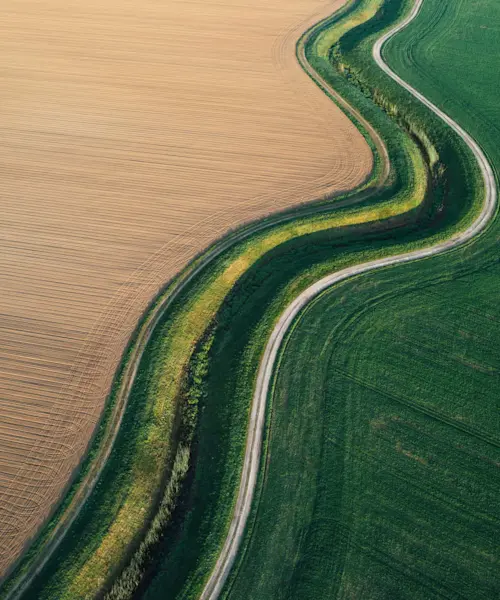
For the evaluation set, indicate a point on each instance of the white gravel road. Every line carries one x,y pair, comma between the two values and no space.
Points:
257,417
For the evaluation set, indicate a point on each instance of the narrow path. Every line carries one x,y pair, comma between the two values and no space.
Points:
257,417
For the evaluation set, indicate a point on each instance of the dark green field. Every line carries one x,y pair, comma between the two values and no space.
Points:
384,453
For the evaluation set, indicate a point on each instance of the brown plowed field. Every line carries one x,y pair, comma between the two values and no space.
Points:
133,133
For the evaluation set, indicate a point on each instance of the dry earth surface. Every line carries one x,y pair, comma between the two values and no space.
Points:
133,132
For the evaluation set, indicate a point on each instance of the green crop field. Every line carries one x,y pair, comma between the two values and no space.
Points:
381,455
384,453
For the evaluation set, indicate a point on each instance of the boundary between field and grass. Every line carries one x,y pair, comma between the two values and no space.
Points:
124,583
252,457
134,352
132,357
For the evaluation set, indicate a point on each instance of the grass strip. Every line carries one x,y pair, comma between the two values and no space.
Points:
95,552
247,316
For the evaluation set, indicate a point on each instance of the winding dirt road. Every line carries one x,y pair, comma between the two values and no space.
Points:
257,416
254,442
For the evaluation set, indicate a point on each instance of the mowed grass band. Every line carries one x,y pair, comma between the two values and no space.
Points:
159,514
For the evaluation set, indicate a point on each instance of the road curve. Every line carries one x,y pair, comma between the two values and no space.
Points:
257,417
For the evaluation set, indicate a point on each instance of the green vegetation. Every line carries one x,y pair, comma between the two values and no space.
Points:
195,381
126,497
130,577
383,454
192,544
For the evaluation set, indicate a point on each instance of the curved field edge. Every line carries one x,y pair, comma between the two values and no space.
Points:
457,288
323,224
287,320
106,432
87,474
215,524
90,470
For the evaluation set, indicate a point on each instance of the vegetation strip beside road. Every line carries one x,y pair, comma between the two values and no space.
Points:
255,248
251,466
